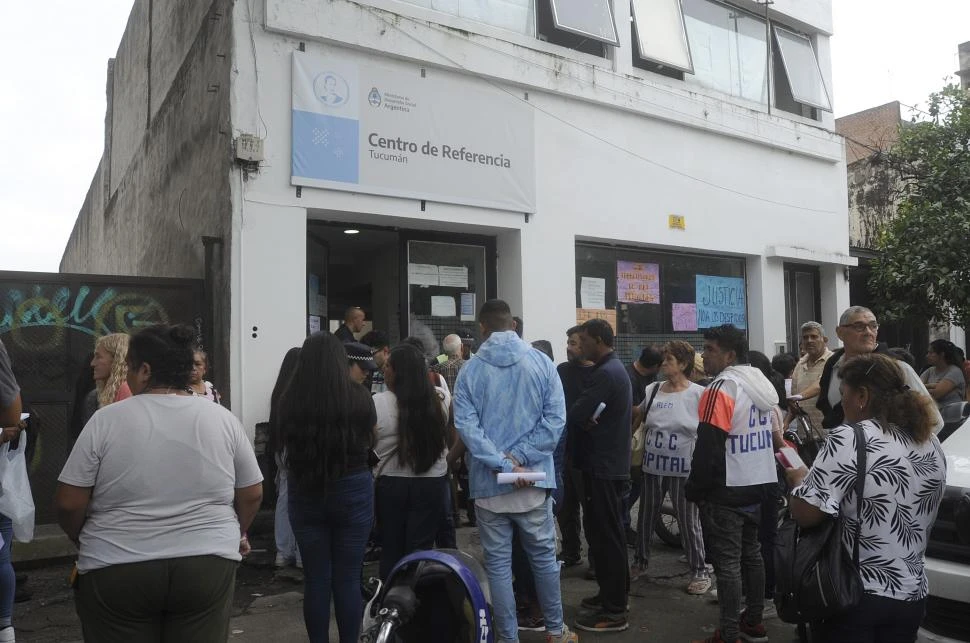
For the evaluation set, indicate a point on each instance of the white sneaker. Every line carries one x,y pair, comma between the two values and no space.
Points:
7,635
281,561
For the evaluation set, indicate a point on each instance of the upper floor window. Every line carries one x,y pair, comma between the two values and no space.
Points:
583,25
659,34
726,49
514,15
729,48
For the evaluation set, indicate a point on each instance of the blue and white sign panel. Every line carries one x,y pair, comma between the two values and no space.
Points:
380,130
721,300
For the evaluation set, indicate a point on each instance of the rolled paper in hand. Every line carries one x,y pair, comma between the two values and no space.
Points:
531,476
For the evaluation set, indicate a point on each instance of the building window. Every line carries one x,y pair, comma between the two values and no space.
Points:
652,297
660,35
729,49
514,15
802,71
584,25
589,18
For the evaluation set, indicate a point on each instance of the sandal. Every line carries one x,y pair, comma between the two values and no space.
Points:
699,586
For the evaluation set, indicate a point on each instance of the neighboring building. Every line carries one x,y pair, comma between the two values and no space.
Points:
963,52
669,175
874,190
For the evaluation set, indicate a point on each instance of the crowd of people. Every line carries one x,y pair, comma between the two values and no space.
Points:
369,438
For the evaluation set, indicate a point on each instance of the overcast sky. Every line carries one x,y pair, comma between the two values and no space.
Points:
52,99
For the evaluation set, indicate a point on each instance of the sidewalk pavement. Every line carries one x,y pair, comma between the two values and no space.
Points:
269,603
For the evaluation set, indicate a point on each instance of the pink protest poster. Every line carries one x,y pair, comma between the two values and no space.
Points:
637,283
685,317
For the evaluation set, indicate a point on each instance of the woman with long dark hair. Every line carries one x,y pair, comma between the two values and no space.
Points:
412,444
944,378
327,425
158,493
287,552
904,483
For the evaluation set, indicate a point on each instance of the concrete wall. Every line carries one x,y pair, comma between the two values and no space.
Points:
175,188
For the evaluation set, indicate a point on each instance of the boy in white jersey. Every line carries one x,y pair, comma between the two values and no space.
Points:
733,462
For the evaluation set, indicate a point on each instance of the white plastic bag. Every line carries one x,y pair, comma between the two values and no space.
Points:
16,501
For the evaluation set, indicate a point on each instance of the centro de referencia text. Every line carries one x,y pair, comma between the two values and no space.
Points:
428,149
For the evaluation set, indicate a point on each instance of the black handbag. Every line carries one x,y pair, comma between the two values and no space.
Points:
816,578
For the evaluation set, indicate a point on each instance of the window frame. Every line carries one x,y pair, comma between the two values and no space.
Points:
558,25
788,74
689,69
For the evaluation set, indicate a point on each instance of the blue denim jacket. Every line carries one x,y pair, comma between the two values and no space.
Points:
508,400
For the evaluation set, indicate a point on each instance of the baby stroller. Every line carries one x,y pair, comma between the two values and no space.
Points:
431,597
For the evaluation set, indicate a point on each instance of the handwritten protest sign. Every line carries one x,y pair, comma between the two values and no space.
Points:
685,317
638,283
721,300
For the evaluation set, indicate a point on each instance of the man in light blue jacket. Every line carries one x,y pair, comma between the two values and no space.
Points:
510,411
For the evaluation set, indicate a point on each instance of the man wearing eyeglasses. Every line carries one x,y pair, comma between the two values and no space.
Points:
857,329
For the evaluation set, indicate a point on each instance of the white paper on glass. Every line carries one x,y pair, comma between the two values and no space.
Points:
443,307
592,293
314,324
467,306
422,274
453,276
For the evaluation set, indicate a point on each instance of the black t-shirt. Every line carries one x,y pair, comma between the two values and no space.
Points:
639,383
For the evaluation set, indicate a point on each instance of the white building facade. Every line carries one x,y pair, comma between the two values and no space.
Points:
666,165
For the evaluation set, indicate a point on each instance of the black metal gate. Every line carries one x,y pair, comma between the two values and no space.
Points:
49,323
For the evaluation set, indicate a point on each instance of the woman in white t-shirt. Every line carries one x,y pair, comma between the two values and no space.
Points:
158,493
412,444
670,432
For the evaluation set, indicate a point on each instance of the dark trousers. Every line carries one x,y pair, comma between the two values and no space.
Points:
331,530
633,495
176,600
731,540
876,619
447,537
767,535
410,512
603,522
570,514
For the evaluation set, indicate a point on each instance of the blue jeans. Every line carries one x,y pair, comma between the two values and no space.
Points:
331,530
8,580
537,533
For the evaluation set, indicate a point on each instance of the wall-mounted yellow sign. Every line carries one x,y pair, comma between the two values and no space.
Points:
676,222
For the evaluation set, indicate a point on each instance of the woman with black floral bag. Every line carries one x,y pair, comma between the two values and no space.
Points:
904,482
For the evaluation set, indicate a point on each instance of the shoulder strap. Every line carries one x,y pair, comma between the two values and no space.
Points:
860,484
656,387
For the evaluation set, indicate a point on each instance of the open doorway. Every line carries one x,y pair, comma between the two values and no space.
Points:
353,269
408,282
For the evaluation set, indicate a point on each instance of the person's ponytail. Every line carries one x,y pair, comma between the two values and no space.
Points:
912,411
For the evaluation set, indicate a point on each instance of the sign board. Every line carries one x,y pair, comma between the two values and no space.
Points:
637,283
676,222
387,130
721,300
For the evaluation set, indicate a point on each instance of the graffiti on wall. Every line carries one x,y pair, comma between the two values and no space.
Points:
94,311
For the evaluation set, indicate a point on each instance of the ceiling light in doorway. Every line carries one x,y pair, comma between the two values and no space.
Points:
351,231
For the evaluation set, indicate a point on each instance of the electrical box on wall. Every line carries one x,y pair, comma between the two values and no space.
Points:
249,148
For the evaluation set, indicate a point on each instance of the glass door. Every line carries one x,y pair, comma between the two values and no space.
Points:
445,283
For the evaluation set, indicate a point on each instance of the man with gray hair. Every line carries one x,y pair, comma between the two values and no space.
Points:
857,329
453,360
808,370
